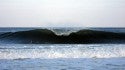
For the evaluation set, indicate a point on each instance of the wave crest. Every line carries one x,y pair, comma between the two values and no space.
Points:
48,36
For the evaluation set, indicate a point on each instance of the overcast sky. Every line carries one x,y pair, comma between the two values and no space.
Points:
62,13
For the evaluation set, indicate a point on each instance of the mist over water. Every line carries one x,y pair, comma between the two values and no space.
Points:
60,35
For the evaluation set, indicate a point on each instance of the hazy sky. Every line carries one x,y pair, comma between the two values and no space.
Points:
62,13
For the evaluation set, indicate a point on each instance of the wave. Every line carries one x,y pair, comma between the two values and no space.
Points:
53,36
64,31
22,51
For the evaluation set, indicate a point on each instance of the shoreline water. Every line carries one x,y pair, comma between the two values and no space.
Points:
48,56
64,64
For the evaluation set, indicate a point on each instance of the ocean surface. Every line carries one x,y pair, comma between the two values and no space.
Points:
62,57
62,35
31,55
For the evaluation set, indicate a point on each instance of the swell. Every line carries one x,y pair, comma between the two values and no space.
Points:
46,36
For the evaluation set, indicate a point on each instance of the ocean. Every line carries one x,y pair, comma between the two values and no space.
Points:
52,49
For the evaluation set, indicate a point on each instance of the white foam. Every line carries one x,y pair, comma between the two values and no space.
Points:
62,51
65,31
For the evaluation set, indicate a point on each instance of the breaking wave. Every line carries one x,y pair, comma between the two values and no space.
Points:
21,51
62,36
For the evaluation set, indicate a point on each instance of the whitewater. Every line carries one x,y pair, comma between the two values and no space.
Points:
20,51
62,49
62,57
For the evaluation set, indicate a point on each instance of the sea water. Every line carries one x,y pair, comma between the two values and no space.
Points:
62,57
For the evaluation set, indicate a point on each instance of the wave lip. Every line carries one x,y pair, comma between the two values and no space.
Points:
64,31
48,36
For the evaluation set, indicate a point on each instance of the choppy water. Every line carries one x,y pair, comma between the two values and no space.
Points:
62,57
15,51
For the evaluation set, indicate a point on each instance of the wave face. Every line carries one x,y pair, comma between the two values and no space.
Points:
62,36
21,51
